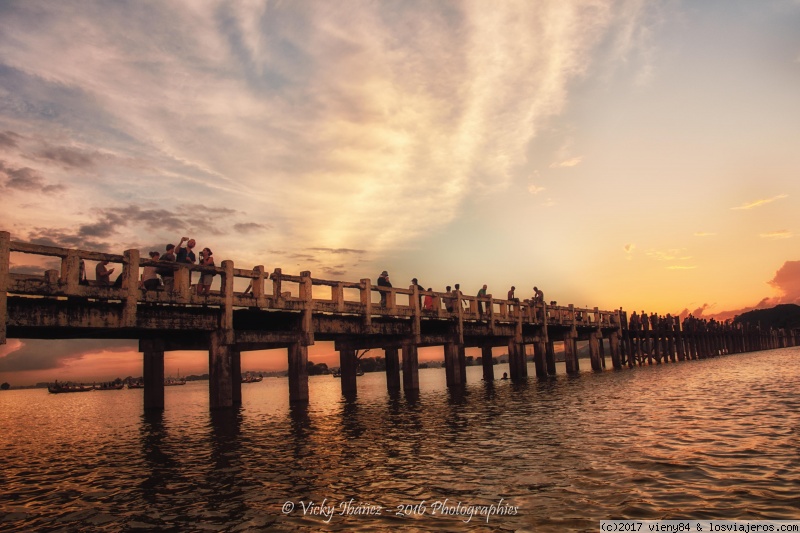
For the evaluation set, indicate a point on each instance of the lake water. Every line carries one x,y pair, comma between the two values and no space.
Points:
711,439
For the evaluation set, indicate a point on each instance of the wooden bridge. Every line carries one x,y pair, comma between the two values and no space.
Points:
278,310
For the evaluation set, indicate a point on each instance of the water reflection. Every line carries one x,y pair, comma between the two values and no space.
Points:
702,439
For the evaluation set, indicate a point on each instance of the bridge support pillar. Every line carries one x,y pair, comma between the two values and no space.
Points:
571,353
613,347
539,355
153,352
487,363
594,352
517,365
550,358
452,364
410,368
298,373
220,371
348,365
392,369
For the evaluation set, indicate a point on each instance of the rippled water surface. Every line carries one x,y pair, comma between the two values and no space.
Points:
712,439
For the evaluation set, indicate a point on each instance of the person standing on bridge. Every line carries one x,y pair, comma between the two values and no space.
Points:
103,273
167,273
481,294
383,281
185,254
150,276
204,285
448,300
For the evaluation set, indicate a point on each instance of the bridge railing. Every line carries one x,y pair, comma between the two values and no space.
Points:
287,292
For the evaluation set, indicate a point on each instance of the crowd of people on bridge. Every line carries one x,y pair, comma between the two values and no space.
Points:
664,323
453,297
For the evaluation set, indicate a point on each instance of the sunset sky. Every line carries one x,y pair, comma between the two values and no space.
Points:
636,154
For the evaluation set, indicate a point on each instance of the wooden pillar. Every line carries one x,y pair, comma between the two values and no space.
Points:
298,372
220,371
613,346
236,373
594,352
153,359
348,365
539,358
487,363
5,262
517,365
550,357
308,307
410,368
571,353
226,314
392,369
452,364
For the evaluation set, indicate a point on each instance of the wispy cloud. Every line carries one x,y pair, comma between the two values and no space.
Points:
673,254
759,203
338,110
781,234
681,267
572,162
534,189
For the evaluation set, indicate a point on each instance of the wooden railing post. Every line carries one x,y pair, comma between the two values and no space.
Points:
337,295
416,312
130,287
258,287
366,303
226,316
5,266
306,286
70,272
277,295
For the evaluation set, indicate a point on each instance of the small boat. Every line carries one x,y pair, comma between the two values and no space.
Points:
135,385
248,378
337,372
58,388
109,386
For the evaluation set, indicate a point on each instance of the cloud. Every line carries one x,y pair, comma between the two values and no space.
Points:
338,250
548,203
629,248
69,158
337,110
572,162
32,354
672,254
786,282
8,139
681,267
533,189
759,203
250,227
781,234
26,179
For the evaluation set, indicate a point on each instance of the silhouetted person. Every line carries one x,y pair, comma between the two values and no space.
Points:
383,281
